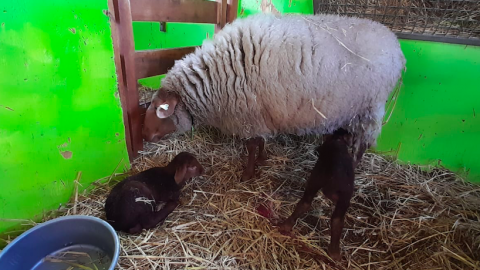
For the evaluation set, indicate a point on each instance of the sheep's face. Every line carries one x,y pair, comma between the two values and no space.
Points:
165,115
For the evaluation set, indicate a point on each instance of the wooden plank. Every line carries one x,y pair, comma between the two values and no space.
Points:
194,11
113,14
223,16
125,63
157,62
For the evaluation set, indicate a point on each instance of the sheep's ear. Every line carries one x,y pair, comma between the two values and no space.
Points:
166,106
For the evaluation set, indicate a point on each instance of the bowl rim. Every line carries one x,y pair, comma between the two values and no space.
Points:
83,217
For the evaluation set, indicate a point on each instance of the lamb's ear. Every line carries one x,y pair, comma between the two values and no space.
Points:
166,106
180,174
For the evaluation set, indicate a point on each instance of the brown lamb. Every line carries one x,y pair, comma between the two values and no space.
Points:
132,204
334,175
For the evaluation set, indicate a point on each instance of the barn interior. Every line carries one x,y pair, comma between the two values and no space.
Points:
88,70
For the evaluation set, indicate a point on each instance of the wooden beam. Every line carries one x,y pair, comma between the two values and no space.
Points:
113,14
193,11
232,10
157,62
221,15
124,47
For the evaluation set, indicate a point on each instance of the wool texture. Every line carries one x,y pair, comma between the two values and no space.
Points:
295,74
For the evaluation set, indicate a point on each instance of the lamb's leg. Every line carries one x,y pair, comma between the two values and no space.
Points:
336,226
262,154
302,207
135,230
249,171
155,218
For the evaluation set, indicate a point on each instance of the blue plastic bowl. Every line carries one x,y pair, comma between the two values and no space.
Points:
62,243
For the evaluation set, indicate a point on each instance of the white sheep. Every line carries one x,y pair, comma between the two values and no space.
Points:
295,74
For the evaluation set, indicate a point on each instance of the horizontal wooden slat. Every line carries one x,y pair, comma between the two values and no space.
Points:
156,62
194,11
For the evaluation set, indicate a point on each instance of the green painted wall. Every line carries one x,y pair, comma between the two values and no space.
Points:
59,108
437,115
249,7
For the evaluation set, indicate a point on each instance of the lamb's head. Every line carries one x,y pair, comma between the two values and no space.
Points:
340,134
165,115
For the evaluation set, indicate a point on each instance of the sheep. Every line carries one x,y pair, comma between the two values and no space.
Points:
131,206
293,74
334,175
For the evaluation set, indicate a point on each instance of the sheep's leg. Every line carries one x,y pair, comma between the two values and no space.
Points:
249,171
302,207
336,226
262,154
359,154
158,217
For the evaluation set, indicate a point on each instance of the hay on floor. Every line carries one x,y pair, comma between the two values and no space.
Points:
400,218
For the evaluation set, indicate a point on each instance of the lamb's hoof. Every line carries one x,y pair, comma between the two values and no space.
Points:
246,175
285,228
263,162
334,254
136,230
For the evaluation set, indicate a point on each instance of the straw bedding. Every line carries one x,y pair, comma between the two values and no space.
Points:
401,217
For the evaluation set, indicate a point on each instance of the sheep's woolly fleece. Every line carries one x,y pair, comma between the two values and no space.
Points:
293,74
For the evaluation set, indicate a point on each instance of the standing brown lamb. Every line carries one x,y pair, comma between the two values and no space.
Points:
334,175
132,203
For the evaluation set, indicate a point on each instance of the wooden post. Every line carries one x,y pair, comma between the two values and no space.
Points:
221,15
124,47
232,10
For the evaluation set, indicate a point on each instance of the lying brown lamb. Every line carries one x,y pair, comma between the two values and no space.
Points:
132,203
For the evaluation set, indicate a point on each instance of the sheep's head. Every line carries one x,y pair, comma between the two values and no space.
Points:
165,115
